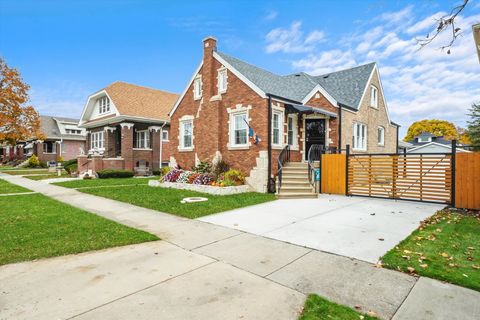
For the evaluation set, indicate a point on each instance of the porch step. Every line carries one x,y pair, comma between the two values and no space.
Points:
296,176
294,169
295,189
296,182
298,195
295,165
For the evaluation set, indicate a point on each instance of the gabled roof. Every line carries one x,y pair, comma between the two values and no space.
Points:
138,101
49,125
345,86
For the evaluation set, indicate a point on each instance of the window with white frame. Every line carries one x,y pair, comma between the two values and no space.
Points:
186,134
73,131
222,80
142,140
97,140
292,130
381,136
197,88
239,129
103,105
49,147
424,139
373,97
277,128
359,136
164,135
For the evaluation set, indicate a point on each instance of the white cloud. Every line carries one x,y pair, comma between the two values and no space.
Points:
419,84
292,40
271,15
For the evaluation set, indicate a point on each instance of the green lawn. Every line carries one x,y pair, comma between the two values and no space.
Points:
168,200
34,226
104,182
51,175
318,308
7,187
18,172
446,247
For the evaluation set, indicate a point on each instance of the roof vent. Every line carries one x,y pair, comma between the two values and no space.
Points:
325,76
298,75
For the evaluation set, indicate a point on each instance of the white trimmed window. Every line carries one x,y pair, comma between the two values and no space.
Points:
186,134
277,124
164,135
103,105
424,139
142,140
97,140
222,80
197,88
49,147
381,136
239,129
373,97
292,130
359,136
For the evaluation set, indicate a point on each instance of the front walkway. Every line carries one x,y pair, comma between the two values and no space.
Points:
356,227
203,271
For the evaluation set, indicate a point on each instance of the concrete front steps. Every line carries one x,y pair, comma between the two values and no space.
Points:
295,184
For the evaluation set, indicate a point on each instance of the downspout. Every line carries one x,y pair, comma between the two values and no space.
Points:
270,187
398,129
161,146
339,128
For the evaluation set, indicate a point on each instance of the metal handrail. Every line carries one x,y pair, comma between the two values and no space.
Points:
314,154
283,156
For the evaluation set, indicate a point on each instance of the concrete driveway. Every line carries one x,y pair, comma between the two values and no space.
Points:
357,227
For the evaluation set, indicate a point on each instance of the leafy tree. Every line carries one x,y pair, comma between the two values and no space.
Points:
436,127
18,121
474,124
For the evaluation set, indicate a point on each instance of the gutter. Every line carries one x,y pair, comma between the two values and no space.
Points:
340,128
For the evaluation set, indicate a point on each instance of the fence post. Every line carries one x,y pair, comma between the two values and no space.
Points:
347,154
453,161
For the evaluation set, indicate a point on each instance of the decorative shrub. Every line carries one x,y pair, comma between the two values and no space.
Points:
70,166
203,167
60,159
192,177
172,176
220,167
204,179
33,162
233,178
104,174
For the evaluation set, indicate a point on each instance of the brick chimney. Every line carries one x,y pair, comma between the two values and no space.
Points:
208,70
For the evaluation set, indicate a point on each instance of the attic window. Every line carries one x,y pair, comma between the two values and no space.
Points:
222,80
197,88
373,97
103,105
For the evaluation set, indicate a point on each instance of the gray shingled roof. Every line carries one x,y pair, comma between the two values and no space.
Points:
345,86
50,129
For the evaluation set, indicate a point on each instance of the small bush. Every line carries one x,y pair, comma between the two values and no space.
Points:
220,167
43,164
33,162
233,178
104,174
203,167
70,166
60,159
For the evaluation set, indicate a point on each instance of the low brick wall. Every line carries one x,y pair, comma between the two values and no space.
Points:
221,191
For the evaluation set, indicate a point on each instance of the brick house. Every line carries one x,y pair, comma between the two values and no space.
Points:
127,128
229,107
63,138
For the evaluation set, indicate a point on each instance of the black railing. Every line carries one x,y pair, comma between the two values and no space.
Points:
283,157
314,154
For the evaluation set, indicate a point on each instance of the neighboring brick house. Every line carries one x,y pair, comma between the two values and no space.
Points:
127,128
226,99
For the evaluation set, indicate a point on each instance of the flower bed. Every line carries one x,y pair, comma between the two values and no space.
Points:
230,182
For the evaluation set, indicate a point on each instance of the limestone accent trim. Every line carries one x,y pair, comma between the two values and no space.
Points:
259,174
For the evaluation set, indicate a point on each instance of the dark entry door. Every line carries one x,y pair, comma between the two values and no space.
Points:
314,133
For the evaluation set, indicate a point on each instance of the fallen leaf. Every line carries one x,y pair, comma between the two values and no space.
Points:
424,265
407,251
361,317
444,254
465,275
411,270
381,239
358,307
406,257
470,248
423,258
371,313
476,267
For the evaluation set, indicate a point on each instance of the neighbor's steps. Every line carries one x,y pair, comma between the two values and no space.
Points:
295,184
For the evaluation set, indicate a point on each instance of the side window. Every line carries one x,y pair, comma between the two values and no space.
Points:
222,80
373,97
381,136
197,88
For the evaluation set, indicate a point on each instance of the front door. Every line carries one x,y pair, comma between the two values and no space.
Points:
314,133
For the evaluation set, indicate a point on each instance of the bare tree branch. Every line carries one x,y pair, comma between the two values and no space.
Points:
444,23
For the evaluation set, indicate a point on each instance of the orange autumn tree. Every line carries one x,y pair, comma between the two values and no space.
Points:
18,121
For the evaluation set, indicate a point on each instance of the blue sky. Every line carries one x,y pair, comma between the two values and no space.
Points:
67,50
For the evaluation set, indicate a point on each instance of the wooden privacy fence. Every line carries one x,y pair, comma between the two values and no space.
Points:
467,180
424,177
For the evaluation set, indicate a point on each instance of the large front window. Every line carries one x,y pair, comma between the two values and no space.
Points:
187,134
97,140
49,147
240,129
142,140
359,136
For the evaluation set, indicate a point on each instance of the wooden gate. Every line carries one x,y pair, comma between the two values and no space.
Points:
467,180
333,173
423,177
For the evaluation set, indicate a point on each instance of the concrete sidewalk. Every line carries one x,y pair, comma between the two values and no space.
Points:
202,271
